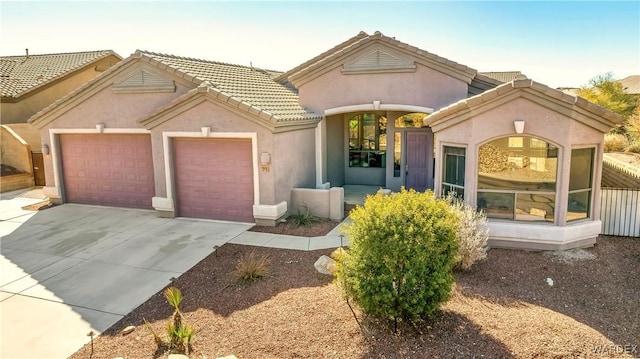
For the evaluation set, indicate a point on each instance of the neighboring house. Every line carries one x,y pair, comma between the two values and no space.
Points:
631,84
204,139
505,76
29,83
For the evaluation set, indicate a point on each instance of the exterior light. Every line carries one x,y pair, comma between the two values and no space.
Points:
45,149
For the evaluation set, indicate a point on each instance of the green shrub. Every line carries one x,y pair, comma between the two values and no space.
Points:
399,265
615,142
472,233
251,268
302,219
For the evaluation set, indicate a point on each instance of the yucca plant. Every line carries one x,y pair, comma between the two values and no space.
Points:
179,334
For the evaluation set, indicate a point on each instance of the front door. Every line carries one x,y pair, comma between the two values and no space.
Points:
418,160
38,168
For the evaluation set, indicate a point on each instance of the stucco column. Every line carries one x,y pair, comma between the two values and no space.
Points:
321,153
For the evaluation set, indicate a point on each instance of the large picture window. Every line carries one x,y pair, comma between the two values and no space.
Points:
367,140
453,171
580,182
517,179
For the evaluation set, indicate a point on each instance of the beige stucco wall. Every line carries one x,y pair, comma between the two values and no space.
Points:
424,87
21,111
219,119
541,122
335,154
114,110
293,162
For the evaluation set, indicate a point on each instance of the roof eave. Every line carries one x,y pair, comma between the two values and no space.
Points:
22,95
571,106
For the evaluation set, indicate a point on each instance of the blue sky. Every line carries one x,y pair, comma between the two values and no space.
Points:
556,43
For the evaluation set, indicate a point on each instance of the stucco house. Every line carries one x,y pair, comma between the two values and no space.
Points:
29,83
204,139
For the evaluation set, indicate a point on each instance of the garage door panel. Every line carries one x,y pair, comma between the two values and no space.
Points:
210,178
108,169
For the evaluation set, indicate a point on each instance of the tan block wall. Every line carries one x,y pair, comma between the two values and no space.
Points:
14,182
21,111
14,152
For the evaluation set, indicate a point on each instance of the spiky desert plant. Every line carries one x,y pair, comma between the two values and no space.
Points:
178,332
251,267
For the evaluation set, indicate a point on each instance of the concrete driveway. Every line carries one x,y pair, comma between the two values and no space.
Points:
72,269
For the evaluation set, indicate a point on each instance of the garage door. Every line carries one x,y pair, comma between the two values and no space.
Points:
108,169
214,178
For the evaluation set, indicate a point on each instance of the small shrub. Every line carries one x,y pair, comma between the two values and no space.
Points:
633,148
472,233
179,334
302,219
251,268
615,142
399,265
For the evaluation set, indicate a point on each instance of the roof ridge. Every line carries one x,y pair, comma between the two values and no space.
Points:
58,53
361,35
152,53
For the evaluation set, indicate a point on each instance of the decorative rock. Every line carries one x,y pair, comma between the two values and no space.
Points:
550,282
325,265
384,191
128,330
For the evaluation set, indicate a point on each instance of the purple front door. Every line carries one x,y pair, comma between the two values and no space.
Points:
418,161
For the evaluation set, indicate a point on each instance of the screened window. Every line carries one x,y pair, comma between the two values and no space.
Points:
517,179
580,183
453,171
367,140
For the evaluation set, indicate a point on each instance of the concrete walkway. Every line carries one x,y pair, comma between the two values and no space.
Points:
72,269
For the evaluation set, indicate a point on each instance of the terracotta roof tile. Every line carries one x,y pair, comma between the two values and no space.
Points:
253,87
21,74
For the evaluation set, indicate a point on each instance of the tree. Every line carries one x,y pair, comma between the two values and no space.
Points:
606,91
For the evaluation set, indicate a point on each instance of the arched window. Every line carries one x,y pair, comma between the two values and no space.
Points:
517,179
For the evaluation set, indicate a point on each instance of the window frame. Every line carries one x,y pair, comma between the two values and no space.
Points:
588,190
369,153
447,187
554,152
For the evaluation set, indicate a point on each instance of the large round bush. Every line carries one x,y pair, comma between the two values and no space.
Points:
401,256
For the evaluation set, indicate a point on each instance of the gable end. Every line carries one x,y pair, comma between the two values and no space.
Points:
379,61
143,81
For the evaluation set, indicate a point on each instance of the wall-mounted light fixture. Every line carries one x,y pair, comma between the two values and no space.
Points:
265,161
45,149
519,126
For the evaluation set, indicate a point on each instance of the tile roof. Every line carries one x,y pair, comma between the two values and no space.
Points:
362,39
461,110
22,74
504,76
253,86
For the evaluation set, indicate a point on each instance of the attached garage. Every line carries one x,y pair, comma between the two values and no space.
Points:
107,169
214,178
